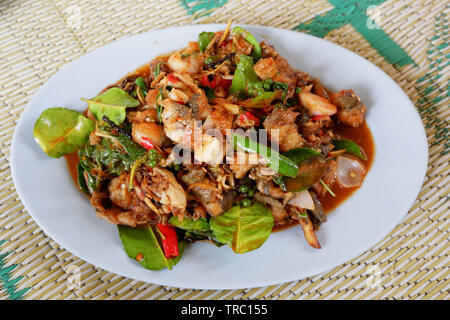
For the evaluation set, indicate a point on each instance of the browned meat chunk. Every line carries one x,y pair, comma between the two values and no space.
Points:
328,178
160,185
199,105
317,132
120,206
194,175
242,164
351,110
208,195
284,121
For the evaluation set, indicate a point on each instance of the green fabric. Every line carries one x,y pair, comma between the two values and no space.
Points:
354,12
431,94
202,7
8,284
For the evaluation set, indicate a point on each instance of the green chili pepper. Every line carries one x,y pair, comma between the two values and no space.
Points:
276,161
157,70
204,39
256,52
262,101
244,76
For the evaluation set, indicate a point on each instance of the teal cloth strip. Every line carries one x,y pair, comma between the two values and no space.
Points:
7,283
354,12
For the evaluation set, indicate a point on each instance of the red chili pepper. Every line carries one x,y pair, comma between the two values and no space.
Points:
267,110
208,83
169,240
315,118
172,78
249,116
225,83
223,44
146,143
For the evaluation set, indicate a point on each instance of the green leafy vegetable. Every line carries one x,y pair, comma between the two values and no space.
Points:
112,104
243,229
276,161
300,154
140,82
133,149
310,171
81,179
262,101
279,180
244,76
204,39
140,161
108,157
350,147
59,131
144,244
157,70
256,52
200,225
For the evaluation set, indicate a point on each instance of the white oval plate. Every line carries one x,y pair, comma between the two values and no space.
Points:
391,186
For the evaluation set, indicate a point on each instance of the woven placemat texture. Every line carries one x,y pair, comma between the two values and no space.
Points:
406,39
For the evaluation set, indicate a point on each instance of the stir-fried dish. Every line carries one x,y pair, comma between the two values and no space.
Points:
221,141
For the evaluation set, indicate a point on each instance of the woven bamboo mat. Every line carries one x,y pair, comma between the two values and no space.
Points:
407,39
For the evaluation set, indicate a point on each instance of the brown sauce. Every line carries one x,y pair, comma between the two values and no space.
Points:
363,137
72,164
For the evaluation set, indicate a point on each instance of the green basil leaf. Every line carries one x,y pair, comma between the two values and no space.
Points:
112,104
132,148
146,241
243,76
200,225
300,154
81,179
350,147
59,131
310,171
243,229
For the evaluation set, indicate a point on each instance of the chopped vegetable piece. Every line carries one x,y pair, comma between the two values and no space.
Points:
200,225
350,171
310,171
327,188
350,147
244,76
300,154
256,52
169,240
204,39
113,104
247,115
140,82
